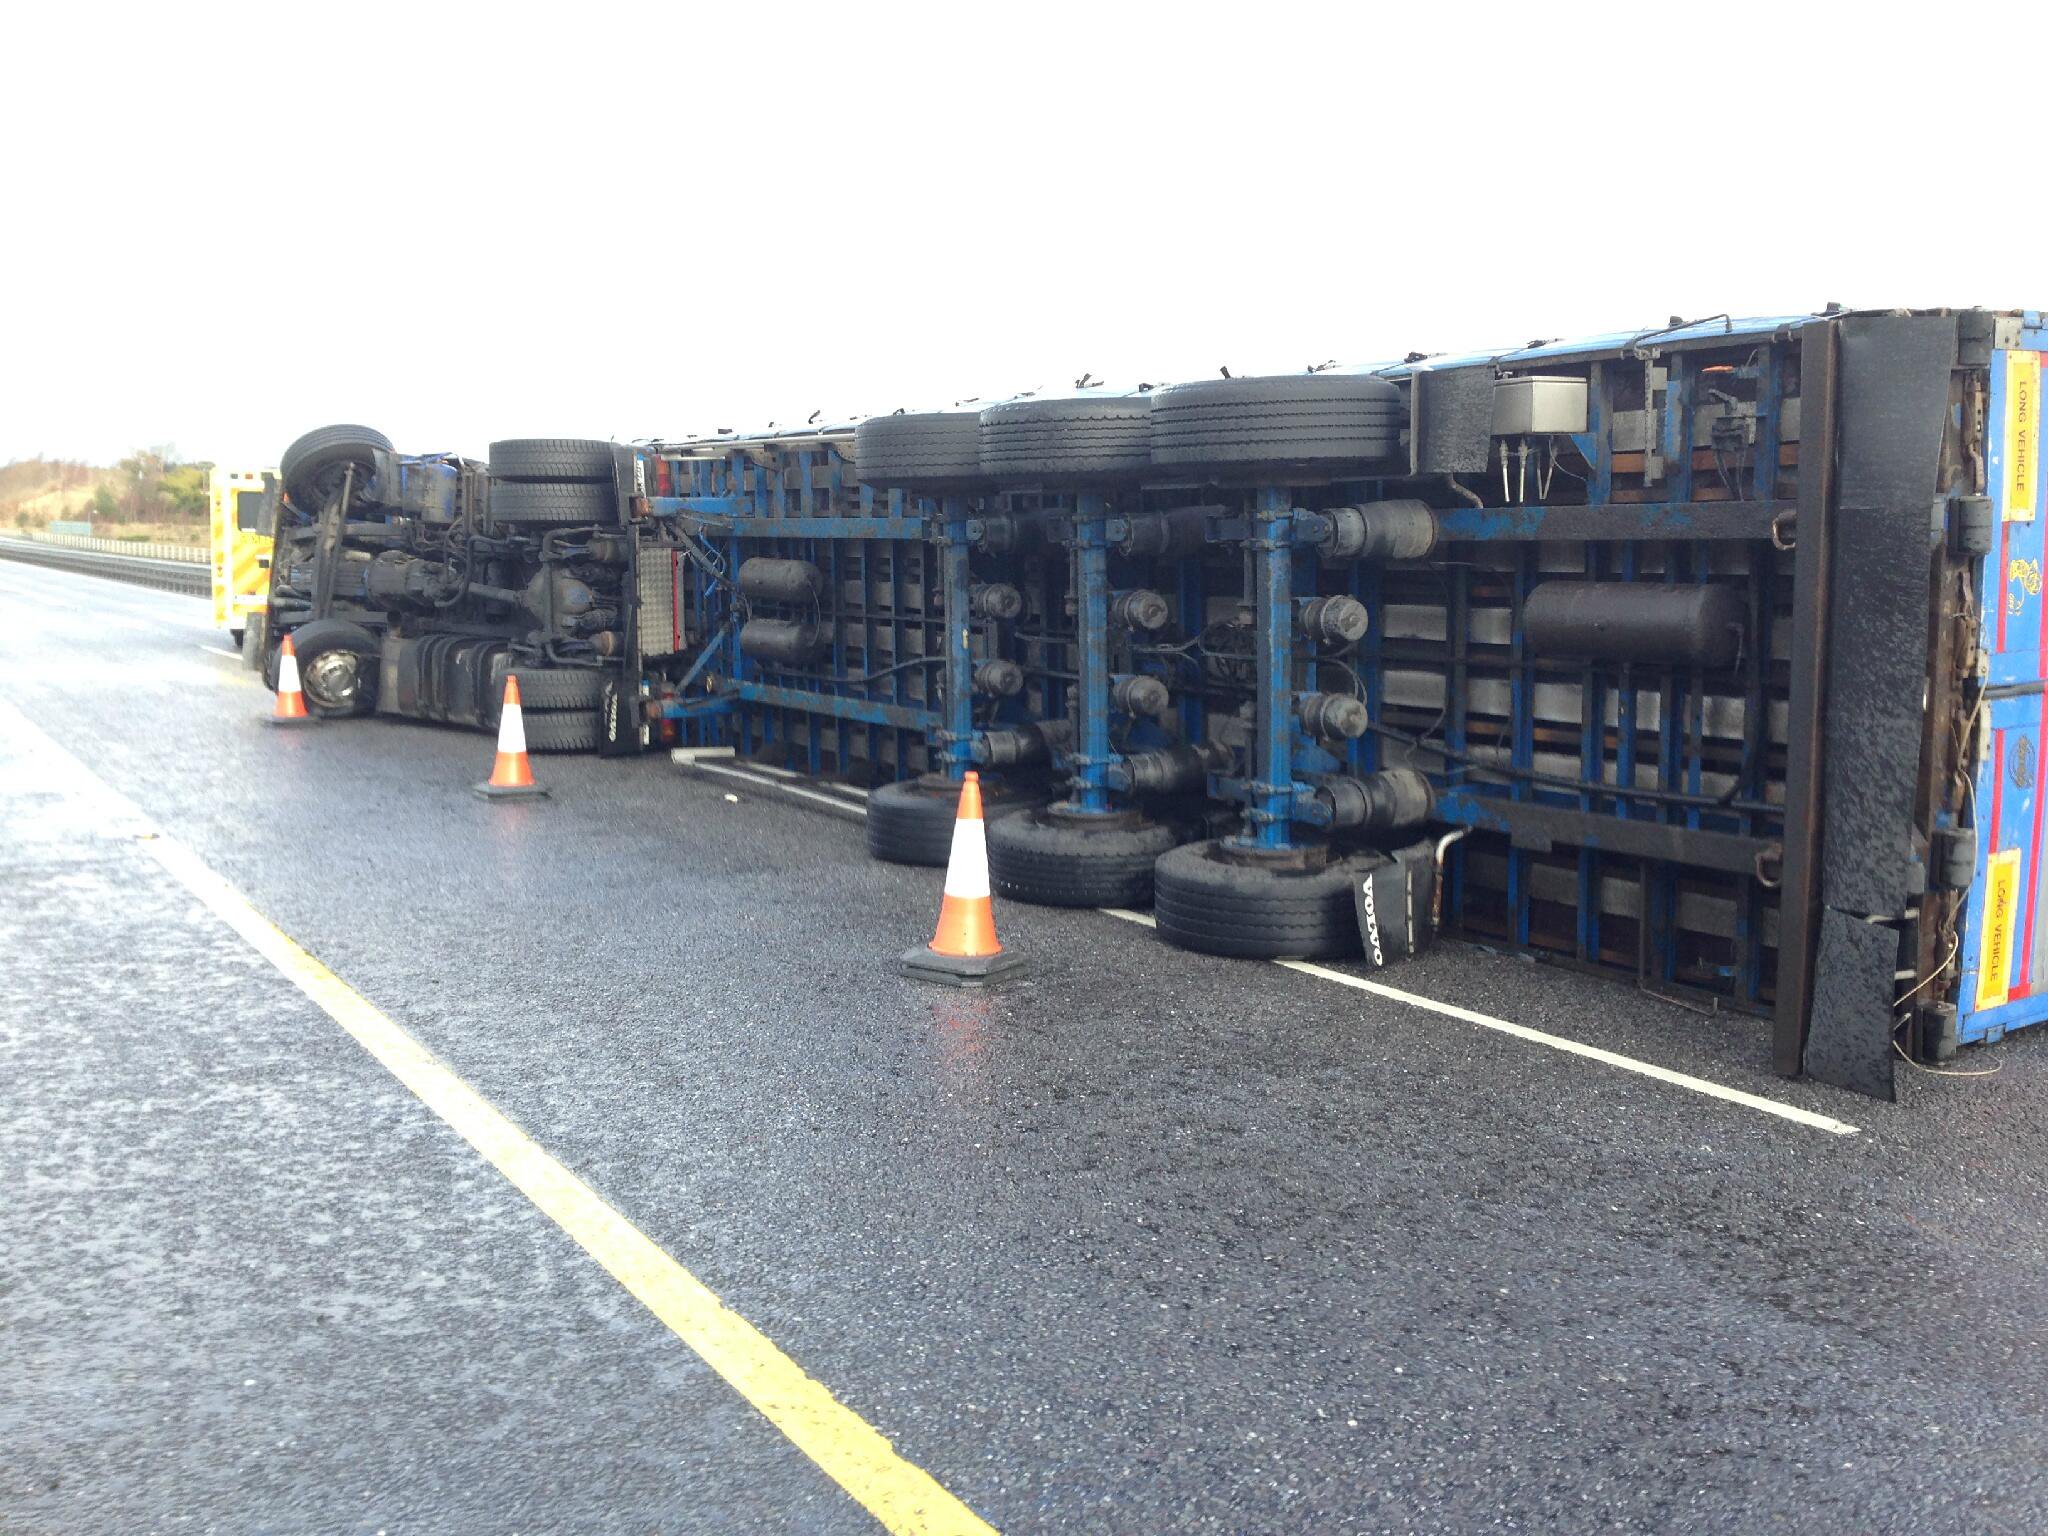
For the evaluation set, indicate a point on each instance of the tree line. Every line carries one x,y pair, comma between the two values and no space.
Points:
150,485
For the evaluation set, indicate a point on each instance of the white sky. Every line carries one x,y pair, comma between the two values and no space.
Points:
224,226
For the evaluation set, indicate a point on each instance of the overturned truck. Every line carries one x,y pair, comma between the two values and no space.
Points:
1708,657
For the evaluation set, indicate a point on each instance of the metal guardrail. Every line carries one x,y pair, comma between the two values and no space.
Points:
141,549
165,575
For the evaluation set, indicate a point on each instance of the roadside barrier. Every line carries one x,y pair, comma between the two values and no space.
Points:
179,575
138,549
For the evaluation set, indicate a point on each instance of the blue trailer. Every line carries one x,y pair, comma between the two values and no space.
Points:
1708,656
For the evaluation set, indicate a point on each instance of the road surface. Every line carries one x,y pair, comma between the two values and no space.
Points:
1151,1242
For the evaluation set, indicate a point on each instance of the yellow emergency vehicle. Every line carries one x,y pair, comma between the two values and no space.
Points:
242,504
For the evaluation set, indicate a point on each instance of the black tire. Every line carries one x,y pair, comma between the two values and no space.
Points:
558,688
1220,906
1089,438
313,467
911,822
337,667
558,459
926,450
1320,421
563,731
1052,860
522,502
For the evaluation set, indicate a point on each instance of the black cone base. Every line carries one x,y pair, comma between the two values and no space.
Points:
926,964
508,791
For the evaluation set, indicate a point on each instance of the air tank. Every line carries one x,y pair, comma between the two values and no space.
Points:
786,641
768,580
1689,624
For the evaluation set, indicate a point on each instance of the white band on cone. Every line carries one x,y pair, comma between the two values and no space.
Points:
967,865
287,672
511,730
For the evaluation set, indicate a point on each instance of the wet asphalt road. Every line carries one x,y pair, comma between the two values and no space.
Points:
1153,1242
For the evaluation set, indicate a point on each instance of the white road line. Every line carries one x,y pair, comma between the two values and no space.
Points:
781,788
791,774
1700,1085
220,650
1649,1069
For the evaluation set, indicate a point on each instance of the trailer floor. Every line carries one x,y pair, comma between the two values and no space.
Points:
1150,1242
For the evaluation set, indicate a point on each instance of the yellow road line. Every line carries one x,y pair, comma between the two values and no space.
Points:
903,1497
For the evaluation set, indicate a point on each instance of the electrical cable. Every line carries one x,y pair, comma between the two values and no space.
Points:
1944,1071
1954,947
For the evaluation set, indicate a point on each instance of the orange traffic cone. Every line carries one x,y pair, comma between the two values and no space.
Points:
290,708
511,775
965,952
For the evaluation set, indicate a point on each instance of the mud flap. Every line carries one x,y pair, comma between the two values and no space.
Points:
1849,1043
1394,905
1895,386
620,731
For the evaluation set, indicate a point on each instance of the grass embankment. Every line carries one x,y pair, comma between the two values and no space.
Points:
147,496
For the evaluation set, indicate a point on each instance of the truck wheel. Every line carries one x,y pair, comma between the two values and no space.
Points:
1060,860
515,502
557,687
926,450
554,459
911,821
1049,440
1318,421
313,467
562,731
337,667
1212,899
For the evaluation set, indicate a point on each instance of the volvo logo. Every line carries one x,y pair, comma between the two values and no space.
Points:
2023,763
1372,921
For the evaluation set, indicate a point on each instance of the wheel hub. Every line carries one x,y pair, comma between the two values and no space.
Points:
1298,858
1123,819
332,678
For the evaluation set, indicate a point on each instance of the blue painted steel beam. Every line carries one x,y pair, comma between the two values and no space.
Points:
1593,347
956,741
705,707
902,716
737,514
1692,521
1091,759
1269,803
